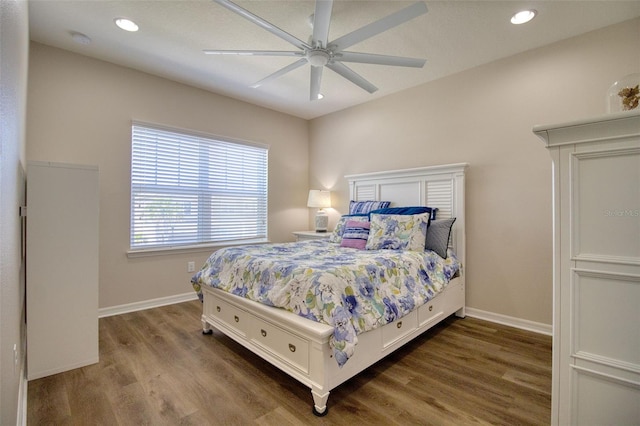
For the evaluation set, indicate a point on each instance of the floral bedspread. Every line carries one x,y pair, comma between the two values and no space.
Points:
351,290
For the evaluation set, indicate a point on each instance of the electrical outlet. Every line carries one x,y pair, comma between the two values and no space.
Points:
191,266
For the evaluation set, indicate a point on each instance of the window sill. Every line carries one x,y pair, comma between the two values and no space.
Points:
163,251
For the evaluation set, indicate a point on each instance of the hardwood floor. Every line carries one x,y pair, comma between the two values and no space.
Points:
157,368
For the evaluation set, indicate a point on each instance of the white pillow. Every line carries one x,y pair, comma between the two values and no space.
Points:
398,232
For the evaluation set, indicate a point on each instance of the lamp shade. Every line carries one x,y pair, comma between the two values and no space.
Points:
319,198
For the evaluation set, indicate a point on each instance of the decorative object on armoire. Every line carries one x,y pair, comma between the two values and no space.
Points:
596,269
320,199
624,94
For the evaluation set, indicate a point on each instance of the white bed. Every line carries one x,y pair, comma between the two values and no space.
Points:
299,346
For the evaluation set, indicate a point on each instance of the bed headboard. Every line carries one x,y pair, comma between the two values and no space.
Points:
433,186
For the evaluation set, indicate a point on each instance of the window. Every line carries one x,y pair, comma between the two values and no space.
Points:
189,189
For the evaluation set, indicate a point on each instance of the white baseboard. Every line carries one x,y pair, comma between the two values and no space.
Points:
536,327
146,304
22,397
523,324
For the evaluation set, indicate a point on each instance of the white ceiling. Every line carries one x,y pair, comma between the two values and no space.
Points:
453,36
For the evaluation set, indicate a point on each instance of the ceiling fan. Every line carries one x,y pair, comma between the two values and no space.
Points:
319,52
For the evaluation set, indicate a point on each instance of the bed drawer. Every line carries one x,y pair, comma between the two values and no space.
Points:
430,311
396,330
232,316
287,347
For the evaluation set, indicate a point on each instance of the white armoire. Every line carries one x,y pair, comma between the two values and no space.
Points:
596,269
62,267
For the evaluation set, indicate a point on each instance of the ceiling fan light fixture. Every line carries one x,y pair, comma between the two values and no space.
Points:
523,16
318,57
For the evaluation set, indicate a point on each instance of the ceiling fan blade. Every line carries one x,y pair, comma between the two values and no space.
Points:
321,22
352,76
316,79
252,52
280,72
380,25
369,58
264,24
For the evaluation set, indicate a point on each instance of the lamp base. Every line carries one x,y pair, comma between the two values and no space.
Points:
322,221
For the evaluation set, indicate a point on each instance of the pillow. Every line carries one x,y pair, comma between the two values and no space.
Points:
364,207
356,234
399,232
407,210
438,236
336,235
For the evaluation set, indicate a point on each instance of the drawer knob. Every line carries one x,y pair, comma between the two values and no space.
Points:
430,308
218,308
292,348
399,325
235,317
263,332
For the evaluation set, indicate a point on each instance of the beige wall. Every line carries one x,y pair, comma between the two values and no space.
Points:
484,116
80,111
14,49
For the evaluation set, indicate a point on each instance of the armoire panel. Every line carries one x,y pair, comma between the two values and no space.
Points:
606,316
606,204
602,401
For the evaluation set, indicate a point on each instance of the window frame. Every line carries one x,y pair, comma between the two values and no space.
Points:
203,246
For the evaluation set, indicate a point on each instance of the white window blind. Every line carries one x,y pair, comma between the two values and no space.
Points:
189,189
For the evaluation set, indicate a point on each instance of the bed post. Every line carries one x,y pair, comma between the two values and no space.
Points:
319,402
206,327
459,235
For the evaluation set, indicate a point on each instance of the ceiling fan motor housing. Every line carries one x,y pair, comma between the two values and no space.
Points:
318,57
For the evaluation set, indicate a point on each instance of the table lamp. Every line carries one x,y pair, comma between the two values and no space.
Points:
320,199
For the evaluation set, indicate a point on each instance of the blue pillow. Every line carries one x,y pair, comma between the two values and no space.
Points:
407,210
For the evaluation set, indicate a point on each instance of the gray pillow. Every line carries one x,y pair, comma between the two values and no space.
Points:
438,236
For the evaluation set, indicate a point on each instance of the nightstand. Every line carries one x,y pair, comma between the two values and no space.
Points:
311,235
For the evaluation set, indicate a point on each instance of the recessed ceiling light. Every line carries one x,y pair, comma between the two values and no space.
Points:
126,24
523,17
320,96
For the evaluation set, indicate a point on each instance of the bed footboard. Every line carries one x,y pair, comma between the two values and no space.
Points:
300,347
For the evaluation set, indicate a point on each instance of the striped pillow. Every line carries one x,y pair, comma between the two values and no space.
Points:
356,234
364,207
336,235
